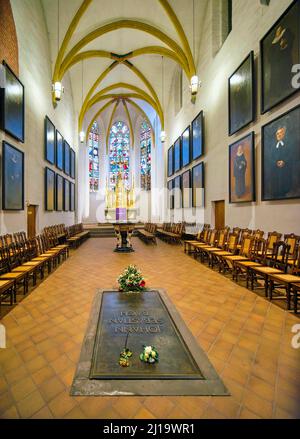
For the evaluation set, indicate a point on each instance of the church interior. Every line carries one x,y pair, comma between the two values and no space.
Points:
149,209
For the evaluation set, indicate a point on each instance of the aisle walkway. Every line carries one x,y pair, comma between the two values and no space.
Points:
247,339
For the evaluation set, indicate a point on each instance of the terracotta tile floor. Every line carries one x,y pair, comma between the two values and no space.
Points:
247,339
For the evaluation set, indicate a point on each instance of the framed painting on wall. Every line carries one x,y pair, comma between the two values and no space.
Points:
198,185
59,151
281,157
170,195
186,147
242,170
67,150
59,193
170,161
72,163
49,141
177,193
72,197
177,156
280,52
198,136
49,189
241,93
186,190
66,195
12,178
13,105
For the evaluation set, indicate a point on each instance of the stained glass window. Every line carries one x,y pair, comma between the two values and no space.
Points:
119,141
94,174
145,142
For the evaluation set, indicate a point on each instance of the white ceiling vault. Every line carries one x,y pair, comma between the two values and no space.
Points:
88,37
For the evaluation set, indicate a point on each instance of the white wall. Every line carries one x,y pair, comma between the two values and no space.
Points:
251,21
35,73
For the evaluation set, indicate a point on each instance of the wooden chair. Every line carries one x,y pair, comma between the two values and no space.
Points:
245,254
242,268
230,249
276,264
284,281
7,291
200,248
295,290
203,237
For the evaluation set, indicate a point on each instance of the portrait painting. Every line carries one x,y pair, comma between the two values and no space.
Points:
59,151
59,193
72,163
67,150
242,170
170,195
49,141
186,147
198,185
72,197
177,193
66,195
12,178
13,105
241,92
198,136
177,156
49,189
281,157
186,190
280,51
170,161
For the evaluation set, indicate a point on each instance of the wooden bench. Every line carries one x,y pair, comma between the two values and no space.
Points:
148,234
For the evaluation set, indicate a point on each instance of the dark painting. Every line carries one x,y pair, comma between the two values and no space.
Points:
67,150
170,161
66,195
177,158
12,178
280,51
186,190
59,193
281,157
49,141
242,96
49,189
12,104
72,163
177,193
59,151
186,147
198,185
72,197
198,136
170,195
242,170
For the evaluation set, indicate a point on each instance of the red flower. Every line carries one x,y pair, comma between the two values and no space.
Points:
142,284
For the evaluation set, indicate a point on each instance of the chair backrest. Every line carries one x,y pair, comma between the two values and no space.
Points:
232,242
247,246
280,255
259,250
213,237
296,265
222,239
292,240
273,237
258,234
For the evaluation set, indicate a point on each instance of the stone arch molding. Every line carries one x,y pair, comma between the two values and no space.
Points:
180,53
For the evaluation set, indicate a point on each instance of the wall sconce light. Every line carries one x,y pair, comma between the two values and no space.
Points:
58,90
82,136
163,136
195,84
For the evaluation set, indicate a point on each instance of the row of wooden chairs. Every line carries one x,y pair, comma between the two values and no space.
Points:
148,233
21,262
10,238
76,235
272,264
171,232
58,230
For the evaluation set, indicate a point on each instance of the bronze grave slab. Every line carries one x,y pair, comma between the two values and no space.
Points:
150,318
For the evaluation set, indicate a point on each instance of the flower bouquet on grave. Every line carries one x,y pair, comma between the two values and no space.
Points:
149,355
131,280
125,354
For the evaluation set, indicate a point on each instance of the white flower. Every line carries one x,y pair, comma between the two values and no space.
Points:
148,349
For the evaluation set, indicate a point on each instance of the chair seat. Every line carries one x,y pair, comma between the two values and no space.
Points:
44,259
32,264
23,269
236,258
14,276
5,284
267,270
222,253
248,263
288,278
212,249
